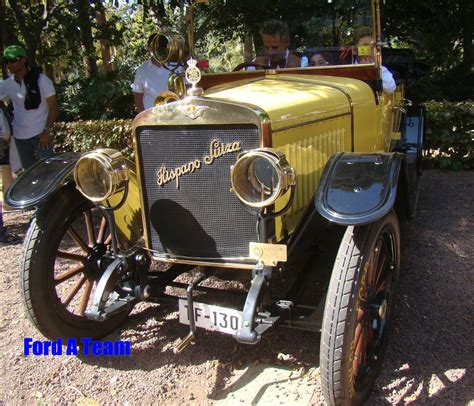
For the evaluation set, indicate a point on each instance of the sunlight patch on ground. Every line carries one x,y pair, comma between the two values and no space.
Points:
435,385
413,390
263,385
455,374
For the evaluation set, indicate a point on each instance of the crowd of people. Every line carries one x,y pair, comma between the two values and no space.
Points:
32,104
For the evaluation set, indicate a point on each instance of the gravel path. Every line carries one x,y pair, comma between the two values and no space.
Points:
430,358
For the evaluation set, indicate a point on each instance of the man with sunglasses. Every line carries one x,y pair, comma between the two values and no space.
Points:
34,103
276,40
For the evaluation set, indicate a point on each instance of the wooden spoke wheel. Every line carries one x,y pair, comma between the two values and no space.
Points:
63,260
359,310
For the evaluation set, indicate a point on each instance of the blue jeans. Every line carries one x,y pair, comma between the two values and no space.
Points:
30,152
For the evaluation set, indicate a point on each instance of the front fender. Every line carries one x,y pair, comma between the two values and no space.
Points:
40,181
357,189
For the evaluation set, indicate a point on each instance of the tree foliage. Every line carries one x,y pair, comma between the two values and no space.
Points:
450,134
440,31
88,45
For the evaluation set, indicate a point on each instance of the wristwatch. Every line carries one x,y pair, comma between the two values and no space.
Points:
48,129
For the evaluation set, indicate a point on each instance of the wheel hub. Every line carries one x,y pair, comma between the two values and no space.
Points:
95,259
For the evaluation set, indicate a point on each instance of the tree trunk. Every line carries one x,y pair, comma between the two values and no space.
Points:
104,43
248,48
89,58
29,34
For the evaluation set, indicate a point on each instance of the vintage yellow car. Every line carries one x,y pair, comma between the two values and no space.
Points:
290,180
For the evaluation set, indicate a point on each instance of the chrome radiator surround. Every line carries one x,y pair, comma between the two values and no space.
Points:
189,211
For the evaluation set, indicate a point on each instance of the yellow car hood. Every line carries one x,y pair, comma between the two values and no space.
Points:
294,99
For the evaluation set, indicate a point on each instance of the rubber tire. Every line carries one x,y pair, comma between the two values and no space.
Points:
340,316
42,240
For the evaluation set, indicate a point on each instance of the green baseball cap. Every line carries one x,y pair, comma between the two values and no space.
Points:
14,51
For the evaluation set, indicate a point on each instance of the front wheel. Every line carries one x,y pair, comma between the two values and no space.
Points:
359,310
65,244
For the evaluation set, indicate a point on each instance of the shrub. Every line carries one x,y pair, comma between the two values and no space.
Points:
104,97
87,135
450,134
448,144
453,86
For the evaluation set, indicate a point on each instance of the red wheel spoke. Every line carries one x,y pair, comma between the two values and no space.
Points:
71,256
359,353
364,349
370,336
102,228
358,337
90,227
374,263
85,297
380,268
108,239
76,237
358,334
68,274
73,292
381,288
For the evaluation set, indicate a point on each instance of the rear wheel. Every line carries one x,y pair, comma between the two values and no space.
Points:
359,310
61,265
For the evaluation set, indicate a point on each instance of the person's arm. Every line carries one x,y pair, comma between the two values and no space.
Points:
138,99
3,96
45,136
388,82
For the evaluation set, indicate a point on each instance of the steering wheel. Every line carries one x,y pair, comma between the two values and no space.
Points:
243,65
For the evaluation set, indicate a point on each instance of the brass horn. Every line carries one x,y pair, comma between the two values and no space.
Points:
177,85
166,97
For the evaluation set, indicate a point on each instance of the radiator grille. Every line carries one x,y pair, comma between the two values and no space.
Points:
201,218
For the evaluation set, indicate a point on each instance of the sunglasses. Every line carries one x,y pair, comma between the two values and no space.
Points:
14,59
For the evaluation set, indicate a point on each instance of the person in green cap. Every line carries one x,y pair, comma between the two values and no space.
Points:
34,103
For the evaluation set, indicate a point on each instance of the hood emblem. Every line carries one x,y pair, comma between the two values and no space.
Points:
193,74
192,111
217,149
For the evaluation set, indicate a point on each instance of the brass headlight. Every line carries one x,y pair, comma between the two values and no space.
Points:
100,174
168,47
261,176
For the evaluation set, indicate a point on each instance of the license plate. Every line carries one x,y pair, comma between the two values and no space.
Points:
211,317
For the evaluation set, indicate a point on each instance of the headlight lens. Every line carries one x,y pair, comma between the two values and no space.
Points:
100,174
168,47
261,176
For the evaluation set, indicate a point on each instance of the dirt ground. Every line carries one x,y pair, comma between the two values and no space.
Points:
430,357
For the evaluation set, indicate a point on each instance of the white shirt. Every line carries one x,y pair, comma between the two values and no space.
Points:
27,123
150,80
388,83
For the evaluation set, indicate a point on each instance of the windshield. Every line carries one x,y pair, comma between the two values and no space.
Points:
338,33
323,33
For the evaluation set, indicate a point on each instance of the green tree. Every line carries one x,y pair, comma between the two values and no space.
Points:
440,31
87,41
31,18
